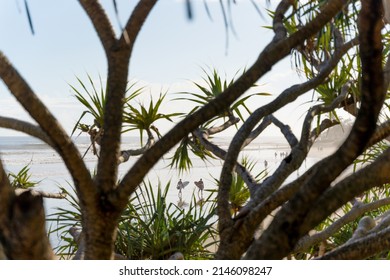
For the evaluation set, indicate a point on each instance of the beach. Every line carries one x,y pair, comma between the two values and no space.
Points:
47,168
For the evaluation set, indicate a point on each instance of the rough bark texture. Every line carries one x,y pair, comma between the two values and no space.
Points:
287,228
22,224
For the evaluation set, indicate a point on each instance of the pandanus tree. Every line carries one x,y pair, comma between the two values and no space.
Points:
341,48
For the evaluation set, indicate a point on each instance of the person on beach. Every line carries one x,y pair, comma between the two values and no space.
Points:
200,186
180,187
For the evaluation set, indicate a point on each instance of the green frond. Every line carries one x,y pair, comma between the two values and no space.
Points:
214,85
93,98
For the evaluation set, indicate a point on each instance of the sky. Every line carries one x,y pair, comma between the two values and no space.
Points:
169,53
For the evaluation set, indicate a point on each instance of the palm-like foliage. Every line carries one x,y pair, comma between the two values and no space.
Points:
94,101
152,229
63,220
149,228
239,192
186,151
214,86
191,146
143,119
22,179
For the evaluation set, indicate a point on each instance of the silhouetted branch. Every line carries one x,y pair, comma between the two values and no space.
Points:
361,248
286,131
240,169
287,227
25,127
272,54
136,20
357,210
125,155
62,142
101,23
287,96
217,129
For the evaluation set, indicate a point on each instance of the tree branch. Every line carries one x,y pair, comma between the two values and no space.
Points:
375,174
278,26
287,96
286,131
118,67
101,23
135,22
287,228
361,248
27,128
299,152
272,54
217,129
247,221
261,211
257,131
240,169
125,155
50,126
41,193
357,210
382,132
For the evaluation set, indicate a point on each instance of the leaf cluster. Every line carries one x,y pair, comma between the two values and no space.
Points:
22,179
150,228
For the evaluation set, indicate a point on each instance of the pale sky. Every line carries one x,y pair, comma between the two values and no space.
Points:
169,52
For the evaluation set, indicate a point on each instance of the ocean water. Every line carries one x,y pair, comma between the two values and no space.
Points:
47,168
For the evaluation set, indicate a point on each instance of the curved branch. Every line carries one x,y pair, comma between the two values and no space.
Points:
240,169
247,221
287,227
50,126
286,131
217,129
382,132
361,248
125,155
101,23
299,152
357,210
287,96
135,22
272,54
278,26
257,131
375,174
25,127
118,67
383,222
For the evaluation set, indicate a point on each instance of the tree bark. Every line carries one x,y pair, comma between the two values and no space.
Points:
287,228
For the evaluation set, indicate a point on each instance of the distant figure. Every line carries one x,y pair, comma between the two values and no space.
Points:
200,186
180,186
276,155
265,164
